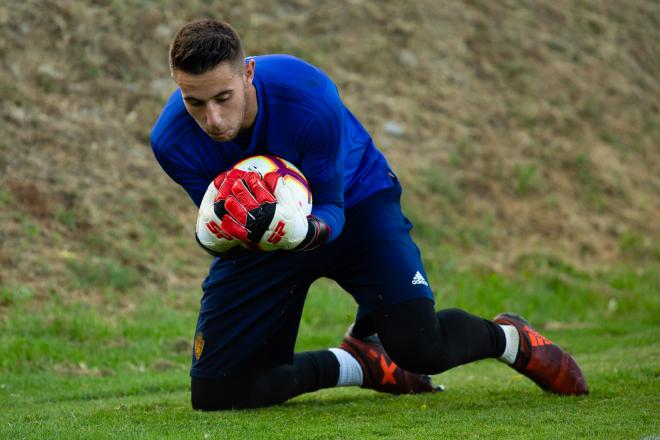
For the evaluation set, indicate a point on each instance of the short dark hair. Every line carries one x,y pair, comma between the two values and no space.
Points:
201,45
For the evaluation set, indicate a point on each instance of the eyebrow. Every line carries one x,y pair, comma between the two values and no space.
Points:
192,98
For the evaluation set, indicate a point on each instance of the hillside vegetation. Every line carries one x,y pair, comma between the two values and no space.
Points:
524,131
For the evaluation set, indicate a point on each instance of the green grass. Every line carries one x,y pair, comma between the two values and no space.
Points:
117,366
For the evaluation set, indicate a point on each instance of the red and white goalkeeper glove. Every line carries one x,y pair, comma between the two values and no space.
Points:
209,232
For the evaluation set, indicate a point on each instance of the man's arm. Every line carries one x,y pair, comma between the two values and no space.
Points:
194,182
323,163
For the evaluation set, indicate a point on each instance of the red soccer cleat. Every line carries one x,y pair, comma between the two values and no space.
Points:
544,362
380,373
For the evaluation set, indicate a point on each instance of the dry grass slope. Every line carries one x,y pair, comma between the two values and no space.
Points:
521,128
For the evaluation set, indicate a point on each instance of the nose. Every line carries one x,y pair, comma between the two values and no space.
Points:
213,116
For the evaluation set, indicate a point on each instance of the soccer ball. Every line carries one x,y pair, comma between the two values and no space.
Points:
290,177
291,188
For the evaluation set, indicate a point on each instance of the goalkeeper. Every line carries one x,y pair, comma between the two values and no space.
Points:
227,108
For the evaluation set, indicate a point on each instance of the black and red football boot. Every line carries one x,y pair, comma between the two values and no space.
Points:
541,360
379,372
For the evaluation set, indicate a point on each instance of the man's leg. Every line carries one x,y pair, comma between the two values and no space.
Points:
425,341
310,371
246,331
382,268
421,340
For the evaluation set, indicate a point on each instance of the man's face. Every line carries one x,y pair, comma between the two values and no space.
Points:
217,99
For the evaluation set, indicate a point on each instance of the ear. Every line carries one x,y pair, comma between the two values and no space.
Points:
248,74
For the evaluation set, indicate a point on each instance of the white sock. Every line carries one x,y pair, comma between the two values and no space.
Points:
350,371
512,344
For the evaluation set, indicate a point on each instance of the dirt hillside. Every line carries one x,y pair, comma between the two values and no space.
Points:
519,128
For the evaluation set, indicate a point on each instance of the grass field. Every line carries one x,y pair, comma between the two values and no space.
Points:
118,368
527,146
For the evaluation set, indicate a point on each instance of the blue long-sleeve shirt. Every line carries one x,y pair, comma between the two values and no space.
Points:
300,118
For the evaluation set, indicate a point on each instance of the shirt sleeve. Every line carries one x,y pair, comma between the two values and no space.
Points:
323,162
193,182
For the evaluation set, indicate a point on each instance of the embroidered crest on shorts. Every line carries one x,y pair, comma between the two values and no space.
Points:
199,345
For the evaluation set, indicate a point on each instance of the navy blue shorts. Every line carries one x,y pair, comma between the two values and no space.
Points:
252,305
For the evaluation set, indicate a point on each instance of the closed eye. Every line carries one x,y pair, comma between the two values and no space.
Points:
223,97
194,102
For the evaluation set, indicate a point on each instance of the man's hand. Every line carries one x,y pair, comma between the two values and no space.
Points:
209,232
224,183
264,213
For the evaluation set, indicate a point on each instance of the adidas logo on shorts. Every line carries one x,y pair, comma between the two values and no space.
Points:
419,279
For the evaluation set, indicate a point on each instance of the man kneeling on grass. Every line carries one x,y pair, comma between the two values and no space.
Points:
228,108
